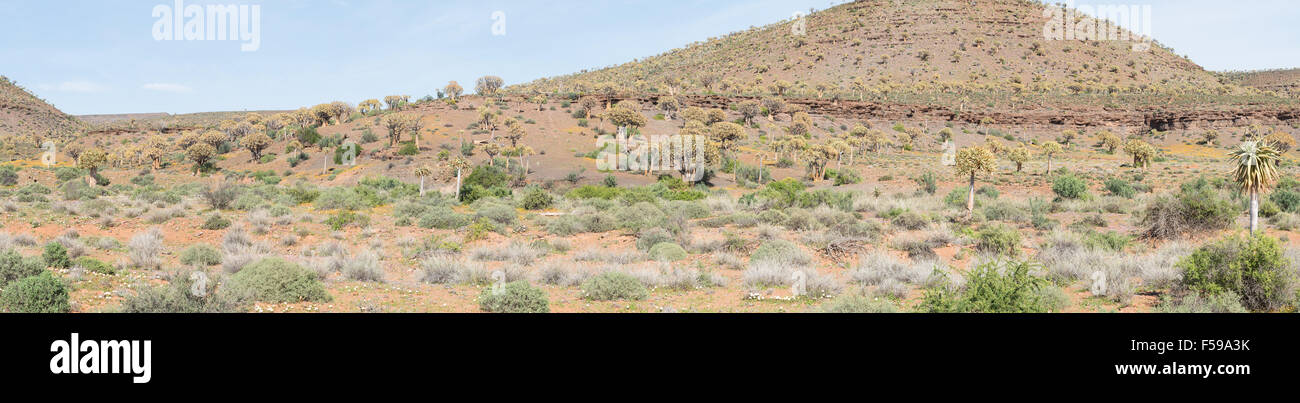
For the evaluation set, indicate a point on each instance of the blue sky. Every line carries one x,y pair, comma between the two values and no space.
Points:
97,56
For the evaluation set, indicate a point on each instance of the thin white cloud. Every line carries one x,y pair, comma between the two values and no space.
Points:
74,86
167,87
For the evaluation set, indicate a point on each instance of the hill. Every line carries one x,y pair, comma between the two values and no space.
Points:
1285,82
23,115
954,53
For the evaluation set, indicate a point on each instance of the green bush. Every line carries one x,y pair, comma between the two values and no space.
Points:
1287,200
999,239
909,220
1111,240
345,218
13,266
498,213
858,303
201,254
1254,268
95,265
613,285
536,199
8,176
215,222
1070,187
1121,188
41,293
182,295
992,288
780,251
56,256
594,192
64,174
667,251
514,297
278,280
1197,207
443,218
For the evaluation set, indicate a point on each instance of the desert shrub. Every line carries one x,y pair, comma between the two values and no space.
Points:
364,266
449,270
144,248
278,280
514,297
1286,200
443,218
651,237
639,216
909,220
56,256
536,199
1111,240
42,293
998,239
13,266
345,218
64,174
801,220
215,222
221,195
780,251
667,251
1197,207
858,303
182,295
1121,188
8,176
201,254
94,265
613,285
1004,211
498,213
1224,302
991,288
1070,187
516,252
1254,268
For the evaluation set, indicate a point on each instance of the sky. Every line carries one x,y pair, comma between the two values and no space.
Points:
101,57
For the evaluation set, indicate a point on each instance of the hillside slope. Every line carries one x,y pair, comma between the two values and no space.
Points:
913,51
23,115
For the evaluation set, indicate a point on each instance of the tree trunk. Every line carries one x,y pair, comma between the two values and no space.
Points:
1254,211
970,196
421,186
458,185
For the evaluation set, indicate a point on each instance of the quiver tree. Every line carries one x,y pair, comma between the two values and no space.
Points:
669,105
488,85
255,143
972,161
453,90
200,153
1050,149
91,160
1254,170
1019,155
1141,151
422,172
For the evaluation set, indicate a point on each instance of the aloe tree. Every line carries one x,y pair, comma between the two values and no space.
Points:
1255,172
422,171
458,164
972,161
